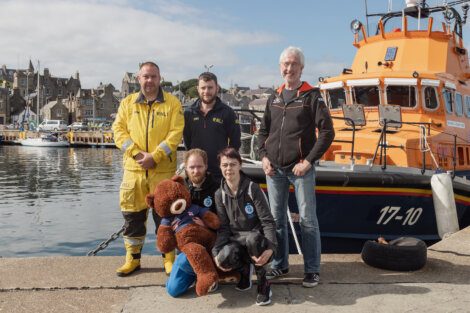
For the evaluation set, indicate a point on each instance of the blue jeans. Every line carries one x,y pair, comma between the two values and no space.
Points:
182,276
278,192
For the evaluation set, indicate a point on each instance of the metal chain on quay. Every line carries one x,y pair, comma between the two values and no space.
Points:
103,245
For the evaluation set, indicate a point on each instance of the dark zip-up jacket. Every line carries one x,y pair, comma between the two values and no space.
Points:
217,130
204,196
288,130
248,210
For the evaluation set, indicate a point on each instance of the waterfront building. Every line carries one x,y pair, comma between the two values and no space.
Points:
4,105
129,84
55,110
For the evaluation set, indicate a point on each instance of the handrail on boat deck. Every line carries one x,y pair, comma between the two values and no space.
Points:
251,112
383,145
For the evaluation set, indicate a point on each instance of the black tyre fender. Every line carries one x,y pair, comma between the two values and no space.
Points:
401,254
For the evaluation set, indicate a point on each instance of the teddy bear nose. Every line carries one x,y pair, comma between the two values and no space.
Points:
178,206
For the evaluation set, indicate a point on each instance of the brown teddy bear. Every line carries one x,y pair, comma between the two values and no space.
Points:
171,200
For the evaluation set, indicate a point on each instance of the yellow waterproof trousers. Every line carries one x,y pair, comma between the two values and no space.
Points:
134,188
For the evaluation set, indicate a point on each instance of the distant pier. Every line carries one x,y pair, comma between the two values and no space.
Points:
95,138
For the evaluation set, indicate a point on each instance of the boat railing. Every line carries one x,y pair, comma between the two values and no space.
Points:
255,114
454,150
426,127
251,112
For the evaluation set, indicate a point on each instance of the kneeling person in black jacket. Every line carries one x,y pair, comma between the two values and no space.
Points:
247,235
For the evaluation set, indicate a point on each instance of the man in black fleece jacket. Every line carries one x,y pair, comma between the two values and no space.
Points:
210,124
289,147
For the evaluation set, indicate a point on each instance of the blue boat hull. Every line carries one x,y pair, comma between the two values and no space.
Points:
358,206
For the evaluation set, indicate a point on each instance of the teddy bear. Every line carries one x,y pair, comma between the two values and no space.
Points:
181,229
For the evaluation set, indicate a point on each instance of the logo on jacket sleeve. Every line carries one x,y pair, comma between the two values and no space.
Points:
208,202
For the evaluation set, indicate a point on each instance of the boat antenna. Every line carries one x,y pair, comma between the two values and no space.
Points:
367,17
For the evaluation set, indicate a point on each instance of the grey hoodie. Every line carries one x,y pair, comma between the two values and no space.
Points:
247,211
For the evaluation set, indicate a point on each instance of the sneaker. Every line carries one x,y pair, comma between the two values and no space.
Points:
311,280
245,282
274,273
264,293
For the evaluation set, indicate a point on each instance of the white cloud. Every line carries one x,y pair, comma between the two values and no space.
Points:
104,39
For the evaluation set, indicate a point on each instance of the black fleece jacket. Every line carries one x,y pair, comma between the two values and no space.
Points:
217,130
288,130
204,195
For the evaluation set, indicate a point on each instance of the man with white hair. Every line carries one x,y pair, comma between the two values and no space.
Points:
289,147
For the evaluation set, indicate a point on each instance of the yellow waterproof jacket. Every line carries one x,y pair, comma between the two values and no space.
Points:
156,128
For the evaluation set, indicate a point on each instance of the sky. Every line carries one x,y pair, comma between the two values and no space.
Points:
240,41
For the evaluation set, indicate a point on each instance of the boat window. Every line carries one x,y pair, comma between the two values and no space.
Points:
430,98
460,155
336,98
467,106
448,98
404,96
366,95
458,104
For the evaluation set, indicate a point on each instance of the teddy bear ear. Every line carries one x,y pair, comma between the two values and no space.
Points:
178,179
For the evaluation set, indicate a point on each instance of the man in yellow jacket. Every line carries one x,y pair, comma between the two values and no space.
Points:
148,128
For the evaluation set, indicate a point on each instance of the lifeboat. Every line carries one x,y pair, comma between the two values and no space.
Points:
401,114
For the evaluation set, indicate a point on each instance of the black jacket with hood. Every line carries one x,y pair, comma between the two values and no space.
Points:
288,130
246,211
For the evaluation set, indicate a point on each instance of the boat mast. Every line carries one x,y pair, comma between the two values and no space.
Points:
37,104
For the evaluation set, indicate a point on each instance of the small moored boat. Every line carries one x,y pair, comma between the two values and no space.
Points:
45,140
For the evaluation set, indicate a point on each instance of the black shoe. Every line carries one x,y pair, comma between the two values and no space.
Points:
311,280
264,293
274,273
245,282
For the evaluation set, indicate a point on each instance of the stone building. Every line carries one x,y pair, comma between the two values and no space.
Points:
58,88
23,85
4,105
99,103
130,84
17,105
6,77
107,103
24,80
55,110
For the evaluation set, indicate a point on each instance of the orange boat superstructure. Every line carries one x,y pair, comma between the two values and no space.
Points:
415,80
400,112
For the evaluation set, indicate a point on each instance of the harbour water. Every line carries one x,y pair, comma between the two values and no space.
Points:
60,201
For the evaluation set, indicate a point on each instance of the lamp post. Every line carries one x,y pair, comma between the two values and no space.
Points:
27,85
94,104
208,67
179,90
27,94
